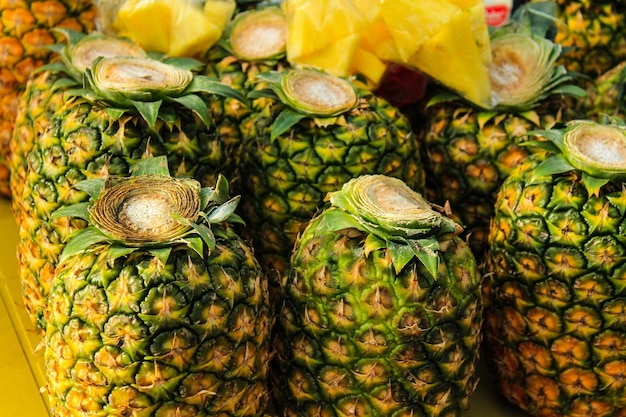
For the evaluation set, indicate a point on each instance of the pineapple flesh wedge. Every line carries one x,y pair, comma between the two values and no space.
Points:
174,27
447,40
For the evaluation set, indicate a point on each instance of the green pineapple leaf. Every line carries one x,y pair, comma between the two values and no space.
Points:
149,110
337,219
619,201
284,121
82,240
401,254
593,184
202,230
426,250
196,244
205,85
162,254
93,186
117,250
187,63
373,243
224,211
196,105
79,210
156,165
553,165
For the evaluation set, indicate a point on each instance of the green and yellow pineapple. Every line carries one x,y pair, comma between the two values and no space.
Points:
607,94
132,108
592,31
467,150
381,310
25,34
254,42
44,93
314,133
158,307
556,275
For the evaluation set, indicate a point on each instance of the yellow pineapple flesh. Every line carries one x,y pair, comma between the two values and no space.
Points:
25,32
174,27
447,40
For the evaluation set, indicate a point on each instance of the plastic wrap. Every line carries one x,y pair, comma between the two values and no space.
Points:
172,27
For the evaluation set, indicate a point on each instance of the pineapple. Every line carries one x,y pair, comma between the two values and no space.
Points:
45,92
315,133
554,292
254,42
592,31
25,34
607,94
158,307
468,150
172,27
134,107
381,309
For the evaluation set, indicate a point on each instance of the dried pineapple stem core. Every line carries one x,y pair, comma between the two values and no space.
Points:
392,200
137,74
320,93
258,39
507,72
85,53
140,211
147,213
600,146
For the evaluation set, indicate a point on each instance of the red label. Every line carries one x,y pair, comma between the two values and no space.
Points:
497,15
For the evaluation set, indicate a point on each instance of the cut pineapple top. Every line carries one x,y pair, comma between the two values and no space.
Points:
448,40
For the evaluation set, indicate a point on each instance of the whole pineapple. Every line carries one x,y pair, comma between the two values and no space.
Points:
607,94
555,287
253,42
381,309
133,108
313,133
45,92
592,31
158,308
467,150
25,34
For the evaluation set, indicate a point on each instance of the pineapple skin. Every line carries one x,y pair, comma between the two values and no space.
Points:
554,295
468,153
229,114
24,34
286,179
135,335
42,95
354,337
83,141
594,32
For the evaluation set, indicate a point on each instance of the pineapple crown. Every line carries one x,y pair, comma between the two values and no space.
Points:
153,88
597,150
257,35
150,209
306,93
394,216
524,70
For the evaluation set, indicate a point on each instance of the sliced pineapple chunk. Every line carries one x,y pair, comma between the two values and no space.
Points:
466,73
174,27
446,39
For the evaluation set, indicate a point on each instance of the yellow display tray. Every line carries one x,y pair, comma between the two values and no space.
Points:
21,363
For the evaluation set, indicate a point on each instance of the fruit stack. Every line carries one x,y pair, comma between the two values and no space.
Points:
222,211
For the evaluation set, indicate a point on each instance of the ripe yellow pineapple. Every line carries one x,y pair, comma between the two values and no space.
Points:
24,33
